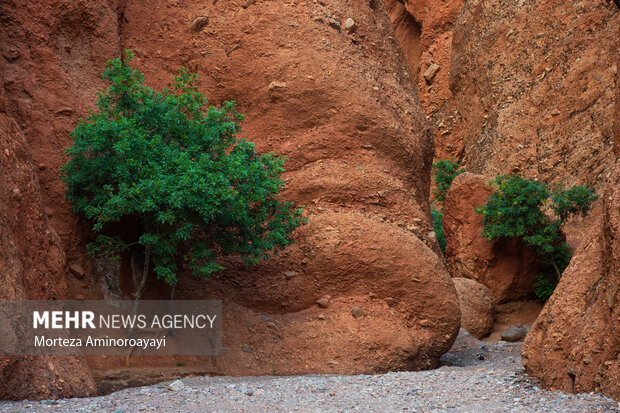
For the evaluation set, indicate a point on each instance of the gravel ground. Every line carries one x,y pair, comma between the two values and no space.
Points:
463,384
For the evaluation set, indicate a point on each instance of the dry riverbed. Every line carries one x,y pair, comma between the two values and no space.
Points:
464,383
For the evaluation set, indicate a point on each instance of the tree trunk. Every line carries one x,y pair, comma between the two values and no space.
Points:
557,270
145,272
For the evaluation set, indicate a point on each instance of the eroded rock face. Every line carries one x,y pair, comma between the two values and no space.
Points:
477,307
31,267
341,105
362,264
51,56
518,87
425,30
359,154
531,92
533,82
506,267
574,345
407,20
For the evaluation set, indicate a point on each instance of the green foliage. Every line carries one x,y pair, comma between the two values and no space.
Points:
516,210
547,280
438,227
445,172
576,200
176,165
544,285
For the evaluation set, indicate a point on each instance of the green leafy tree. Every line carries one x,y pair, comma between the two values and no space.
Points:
445,172
176,166
437,217
576,200
517,210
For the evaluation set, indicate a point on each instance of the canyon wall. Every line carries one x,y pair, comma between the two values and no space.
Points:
425,29
31,267
533,82
531,90
50,59
361,291
517,87
574,345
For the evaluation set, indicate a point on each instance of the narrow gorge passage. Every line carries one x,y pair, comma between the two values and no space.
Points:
390,298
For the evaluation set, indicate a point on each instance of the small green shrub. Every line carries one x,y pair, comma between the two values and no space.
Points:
544,286
576,200
438,227
175,165
445,172
516,210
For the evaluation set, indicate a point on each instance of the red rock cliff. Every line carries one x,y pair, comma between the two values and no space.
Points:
51,56
533,83
338,101
575,343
